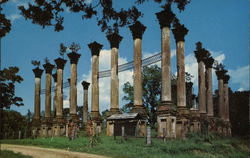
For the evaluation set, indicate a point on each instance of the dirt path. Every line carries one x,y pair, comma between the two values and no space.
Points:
37,152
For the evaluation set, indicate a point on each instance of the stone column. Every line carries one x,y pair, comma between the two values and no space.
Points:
226,95
137,31
179,34
220,76
37,103
209,87
48,69
165,18
200,54
95,50
182,122
114,40
85,103
74,57
55,94
60,62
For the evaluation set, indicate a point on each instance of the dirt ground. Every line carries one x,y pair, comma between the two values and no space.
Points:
37,152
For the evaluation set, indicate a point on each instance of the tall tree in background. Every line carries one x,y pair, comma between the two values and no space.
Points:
151,83
8,79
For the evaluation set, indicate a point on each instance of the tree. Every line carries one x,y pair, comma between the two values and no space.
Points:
151,83
49,12
8,79
5,24
9,124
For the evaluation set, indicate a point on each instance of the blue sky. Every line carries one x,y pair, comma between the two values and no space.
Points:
221,25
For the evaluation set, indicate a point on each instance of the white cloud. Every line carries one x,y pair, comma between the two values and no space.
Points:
104,83
191,66
127,76
240,76
14,17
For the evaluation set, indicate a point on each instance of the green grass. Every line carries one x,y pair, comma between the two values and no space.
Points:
11,154
195,147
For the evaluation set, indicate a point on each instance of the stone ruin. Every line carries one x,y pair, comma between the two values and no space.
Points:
174,121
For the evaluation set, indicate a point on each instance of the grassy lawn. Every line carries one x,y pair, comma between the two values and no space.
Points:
10,154
194,147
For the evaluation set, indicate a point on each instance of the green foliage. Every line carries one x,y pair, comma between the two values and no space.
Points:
74,47
50,12
151,84
62,49
11,154
9,124
8,79
194,146
36,63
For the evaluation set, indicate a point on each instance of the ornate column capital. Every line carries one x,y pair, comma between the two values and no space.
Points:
48,67
38,72
55,77
73,57
60,63
114,40
85,85
200,53
220,74
179,31
137,29
165,17
209,62
95,48
226,78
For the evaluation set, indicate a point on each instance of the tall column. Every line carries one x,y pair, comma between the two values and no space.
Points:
200,54
37,103
220,76
114,40
179,34
55,94
95,50
165,18
74,57
85,103
137,31
182,122
60,62
48,69
226,100
209,87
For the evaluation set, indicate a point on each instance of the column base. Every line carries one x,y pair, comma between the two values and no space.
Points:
75,118
204,123
166,107
141,110
182,123
195,121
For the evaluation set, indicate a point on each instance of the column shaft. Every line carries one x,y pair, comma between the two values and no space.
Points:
202,87
59,91
48,96
137,73
54,99
209,92
114,98
221,98
95,85
73,90
166,64
181,87
85,107
226,103
37,98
